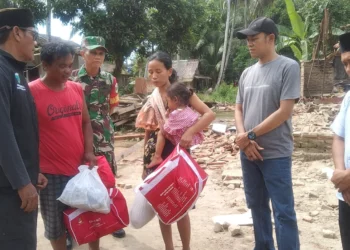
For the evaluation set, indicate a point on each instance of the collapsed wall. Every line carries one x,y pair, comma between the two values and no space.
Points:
312,134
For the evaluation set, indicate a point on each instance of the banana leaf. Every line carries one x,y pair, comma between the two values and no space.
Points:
295,19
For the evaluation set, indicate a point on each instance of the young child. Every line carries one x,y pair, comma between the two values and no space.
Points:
179,118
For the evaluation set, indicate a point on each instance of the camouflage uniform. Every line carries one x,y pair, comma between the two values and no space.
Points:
101,93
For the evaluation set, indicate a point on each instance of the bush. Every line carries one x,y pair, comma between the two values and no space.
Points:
225,93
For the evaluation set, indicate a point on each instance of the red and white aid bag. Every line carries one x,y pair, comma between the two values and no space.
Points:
175,186
85,226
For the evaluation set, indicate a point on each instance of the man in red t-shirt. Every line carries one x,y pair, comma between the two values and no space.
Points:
66,137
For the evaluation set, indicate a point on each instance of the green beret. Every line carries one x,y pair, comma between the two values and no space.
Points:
16,17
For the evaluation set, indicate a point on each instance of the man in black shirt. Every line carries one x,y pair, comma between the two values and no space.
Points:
19,140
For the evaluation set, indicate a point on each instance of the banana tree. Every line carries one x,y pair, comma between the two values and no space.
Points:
296,39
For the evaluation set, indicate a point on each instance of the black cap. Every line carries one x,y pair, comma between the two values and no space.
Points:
261,24
344,43
16,17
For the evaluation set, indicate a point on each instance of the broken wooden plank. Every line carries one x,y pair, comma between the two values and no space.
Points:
128,136
221,163
122,110
119,123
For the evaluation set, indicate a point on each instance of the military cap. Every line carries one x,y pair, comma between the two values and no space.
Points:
16,17
344,43
94,42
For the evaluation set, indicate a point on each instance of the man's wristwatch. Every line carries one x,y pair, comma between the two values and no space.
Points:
251,135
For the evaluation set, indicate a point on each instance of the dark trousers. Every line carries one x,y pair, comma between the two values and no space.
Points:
344,224
17,228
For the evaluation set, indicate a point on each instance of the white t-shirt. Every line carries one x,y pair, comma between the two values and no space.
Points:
341,127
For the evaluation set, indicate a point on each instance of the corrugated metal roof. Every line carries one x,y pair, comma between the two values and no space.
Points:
186,69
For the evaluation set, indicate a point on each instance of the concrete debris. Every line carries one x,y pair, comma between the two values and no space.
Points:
218,228
308,219
229,175
235,230
219,128
310,117
332,201
314,213
298,184
244,219
328,234
233,204
313,195
226,226
235,183
242,210
325,207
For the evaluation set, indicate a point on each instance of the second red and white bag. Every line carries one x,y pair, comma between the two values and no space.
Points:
175,186
85,226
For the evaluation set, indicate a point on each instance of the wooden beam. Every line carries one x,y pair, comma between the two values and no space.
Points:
128,136
118,123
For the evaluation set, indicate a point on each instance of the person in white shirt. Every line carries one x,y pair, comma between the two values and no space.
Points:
341,151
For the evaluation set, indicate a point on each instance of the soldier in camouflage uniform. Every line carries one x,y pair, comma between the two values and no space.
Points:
101,95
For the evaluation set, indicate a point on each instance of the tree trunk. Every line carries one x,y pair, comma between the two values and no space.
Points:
245,13
118,66
48,20
230,40
225,44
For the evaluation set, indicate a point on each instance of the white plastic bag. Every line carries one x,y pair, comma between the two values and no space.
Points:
86,191
141,211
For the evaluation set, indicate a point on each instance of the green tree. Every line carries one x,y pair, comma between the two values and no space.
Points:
36,6
129,25
122,23
172,24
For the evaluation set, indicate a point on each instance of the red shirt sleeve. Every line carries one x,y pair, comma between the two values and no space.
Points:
114,95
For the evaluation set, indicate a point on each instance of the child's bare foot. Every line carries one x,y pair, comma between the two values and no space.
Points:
155,161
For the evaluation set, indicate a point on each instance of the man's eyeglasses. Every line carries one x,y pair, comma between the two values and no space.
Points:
35,33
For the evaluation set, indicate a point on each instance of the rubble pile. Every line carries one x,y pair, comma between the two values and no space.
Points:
223,107
314,118
127,110
216,151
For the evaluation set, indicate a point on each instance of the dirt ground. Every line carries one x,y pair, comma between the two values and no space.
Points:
313,194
